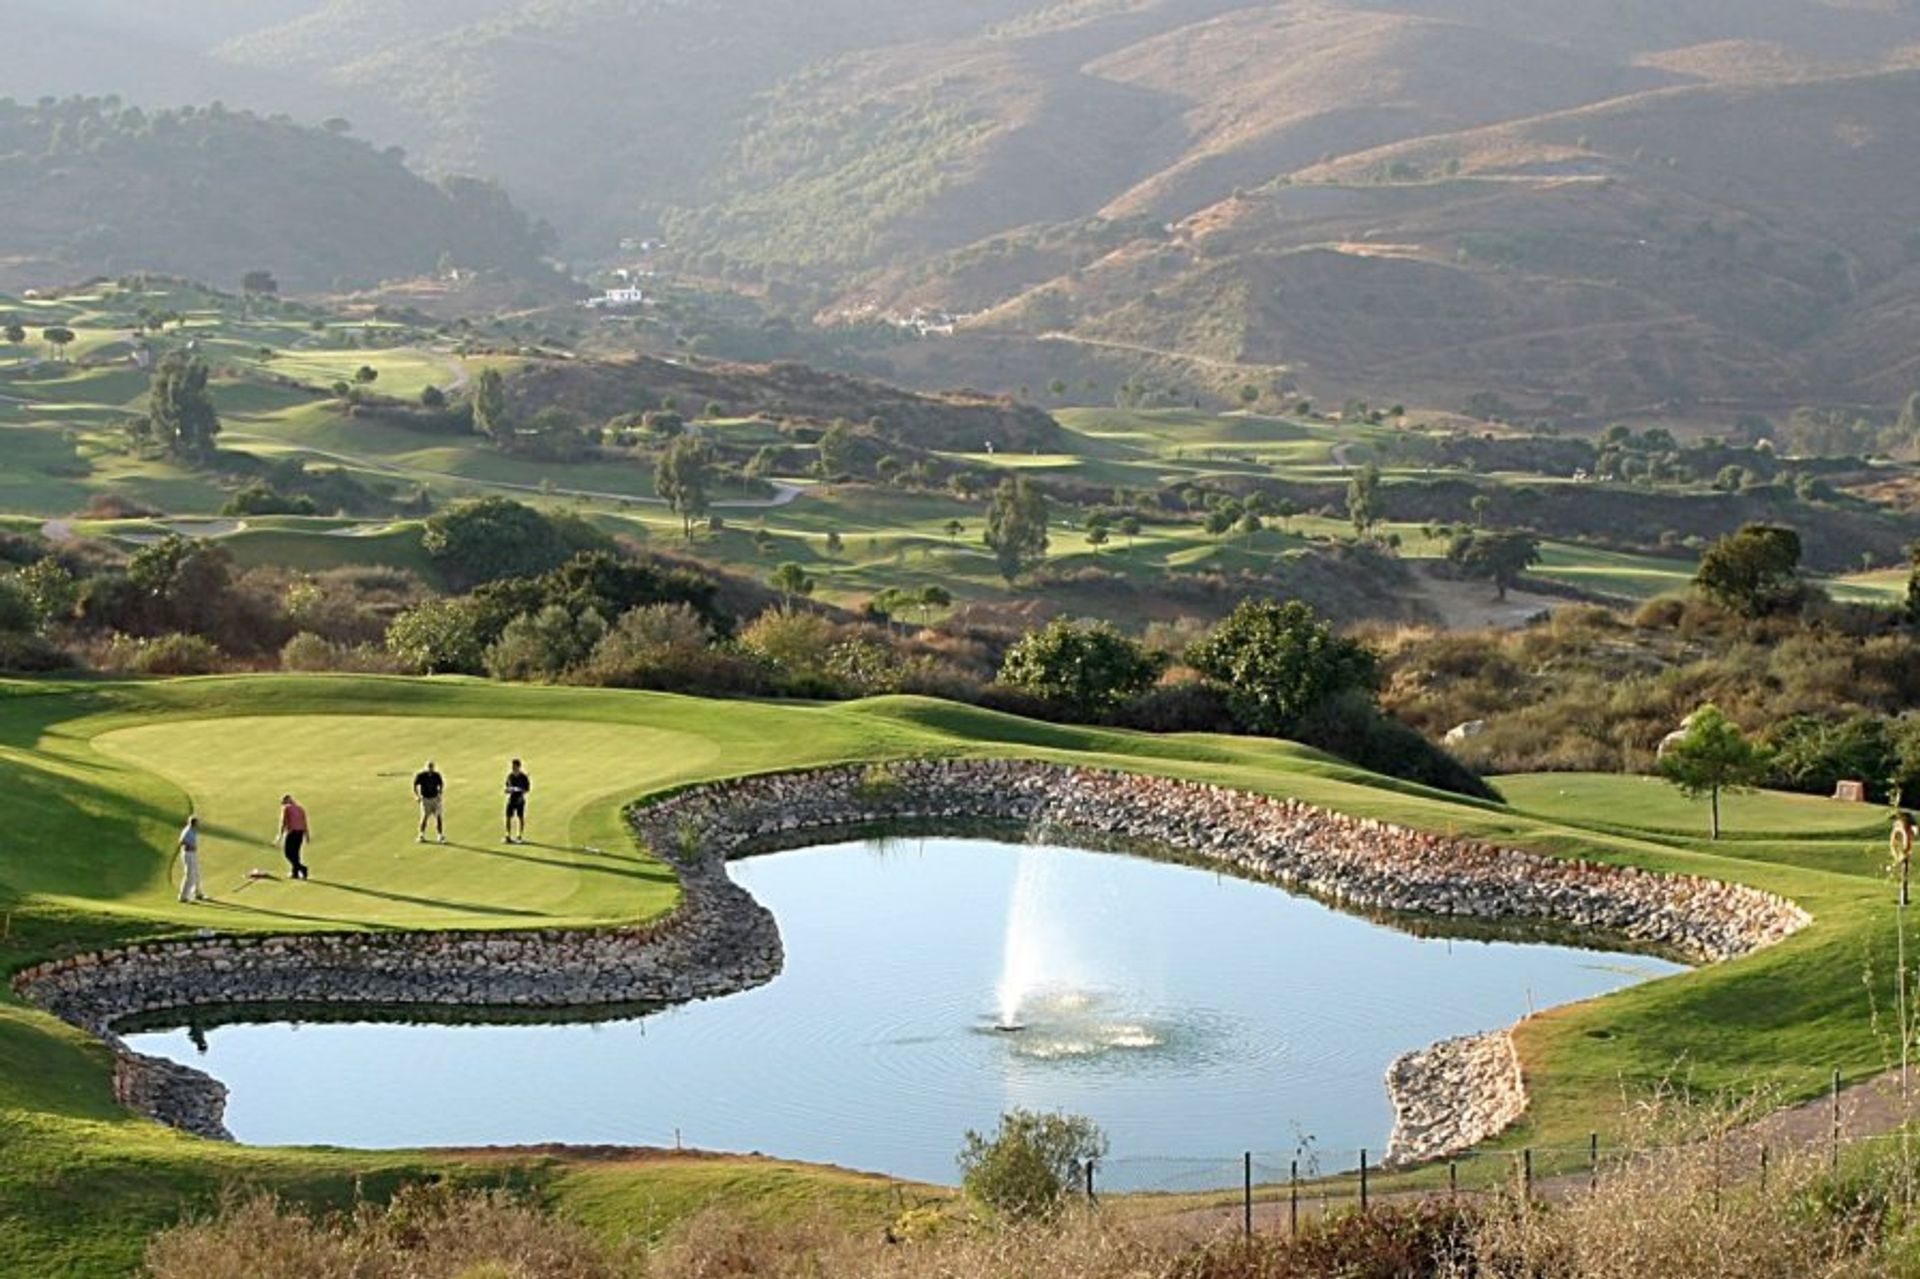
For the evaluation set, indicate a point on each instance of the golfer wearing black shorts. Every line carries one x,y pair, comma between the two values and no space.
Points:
518,784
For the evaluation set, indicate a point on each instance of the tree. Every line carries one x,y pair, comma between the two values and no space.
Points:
50,588
180,413
366,375
1249,395
790,579
259,284
835,544
1017,527
954,528
1250,523
931,598
1027,1167
1752,572
682,478
490,408
432,397
1480,505
1278,661
16,334
1363,499
1913,584
495,537
1500,558
1129,527
1098,534
57,336
1710,756
1088,667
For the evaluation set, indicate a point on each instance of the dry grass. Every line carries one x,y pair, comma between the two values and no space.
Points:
1677,1217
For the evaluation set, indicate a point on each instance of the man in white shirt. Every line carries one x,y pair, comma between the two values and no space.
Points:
190,861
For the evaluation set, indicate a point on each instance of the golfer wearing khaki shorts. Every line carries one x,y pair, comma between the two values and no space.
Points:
431,790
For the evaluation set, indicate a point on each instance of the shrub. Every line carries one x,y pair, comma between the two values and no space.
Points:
545,645
309,652
795,642
1278,661
444,637
1352,727
1086,667
174,654
1026,1168
494,538
1184,706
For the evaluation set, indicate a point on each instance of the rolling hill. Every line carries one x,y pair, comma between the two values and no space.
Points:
1641,204
91,186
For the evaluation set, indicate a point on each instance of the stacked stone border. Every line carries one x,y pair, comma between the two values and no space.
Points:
719,940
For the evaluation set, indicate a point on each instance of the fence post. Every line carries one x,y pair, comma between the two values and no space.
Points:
1363,1179
1526,1174
1246,1184
1763,1167
1453,1180
1090,1196
1833,1156
1593,1161
1293,1200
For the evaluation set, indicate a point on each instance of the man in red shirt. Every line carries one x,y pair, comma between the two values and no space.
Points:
294,835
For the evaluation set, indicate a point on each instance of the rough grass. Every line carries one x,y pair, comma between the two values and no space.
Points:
1679,1217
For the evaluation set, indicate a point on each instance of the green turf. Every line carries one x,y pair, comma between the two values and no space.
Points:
1649,804
100,774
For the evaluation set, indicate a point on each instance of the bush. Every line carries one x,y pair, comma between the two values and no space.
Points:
309,652
1278,661
165,655
444,637
669,647
1086,667
494,538
1185,706
1352,727
1027,1167
22,653
545,645
260,498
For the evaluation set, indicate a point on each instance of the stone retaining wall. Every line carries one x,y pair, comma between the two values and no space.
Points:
720,940
1453,1095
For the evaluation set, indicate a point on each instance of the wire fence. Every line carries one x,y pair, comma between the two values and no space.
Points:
1269,1191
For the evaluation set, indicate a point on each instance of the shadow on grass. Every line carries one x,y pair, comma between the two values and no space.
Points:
661,876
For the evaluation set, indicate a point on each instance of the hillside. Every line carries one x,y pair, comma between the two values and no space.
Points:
91,186
955,421
1644,205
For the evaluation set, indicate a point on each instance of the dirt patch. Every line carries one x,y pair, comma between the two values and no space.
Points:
1471,606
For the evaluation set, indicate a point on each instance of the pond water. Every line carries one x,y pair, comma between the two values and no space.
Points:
1193,1015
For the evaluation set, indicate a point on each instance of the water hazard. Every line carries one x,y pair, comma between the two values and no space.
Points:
930,985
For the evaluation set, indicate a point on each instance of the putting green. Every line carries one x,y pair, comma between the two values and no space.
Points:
354,775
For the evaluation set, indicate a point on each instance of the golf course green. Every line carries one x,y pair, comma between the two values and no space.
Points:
101,774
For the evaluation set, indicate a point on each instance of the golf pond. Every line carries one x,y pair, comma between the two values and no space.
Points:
930,985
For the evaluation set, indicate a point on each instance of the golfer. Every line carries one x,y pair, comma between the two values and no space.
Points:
294,835
430,789
518,784
190,861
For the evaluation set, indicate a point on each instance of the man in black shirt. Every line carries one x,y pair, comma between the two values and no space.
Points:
431,789
518,784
